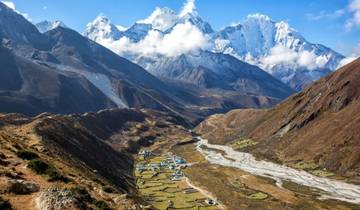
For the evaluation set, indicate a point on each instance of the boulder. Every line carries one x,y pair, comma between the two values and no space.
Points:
17,186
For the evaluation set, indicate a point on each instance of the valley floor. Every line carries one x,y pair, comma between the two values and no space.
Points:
161,183
236,188
175,172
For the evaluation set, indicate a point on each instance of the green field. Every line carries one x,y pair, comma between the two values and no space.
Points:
242,143
313,168
159,190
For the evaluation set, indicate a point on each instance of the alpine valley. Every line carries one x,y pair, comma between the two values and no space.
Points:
171,113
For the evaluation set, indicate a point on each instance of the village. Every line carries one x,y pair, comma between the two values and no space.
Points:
161,180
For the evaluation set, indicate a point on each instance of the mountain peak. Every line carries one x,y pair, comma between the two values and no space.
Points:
188,8
15,27
102,28
45,26
3,5
161,18
101,19
197,21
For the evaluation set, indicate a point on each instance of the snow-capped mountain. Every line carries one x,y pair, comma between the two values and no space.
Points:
277,48
101,28
61,71
45,26
137,32
161,19
273,46
195,20
206,69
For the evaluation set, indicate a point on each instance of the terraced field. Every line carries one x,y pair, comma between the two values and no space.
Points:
158,188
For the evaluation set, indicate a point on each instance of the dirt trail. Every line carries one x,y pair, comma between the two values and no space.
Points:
205,193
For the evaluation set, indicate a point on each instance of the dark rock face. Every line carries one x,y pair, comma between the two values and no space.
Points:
10,79
30,88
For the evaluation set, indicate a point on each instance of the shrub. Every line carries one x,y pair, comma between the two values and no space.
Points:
55,175
82,194
108,189
26,155
97,181
18,147
102,205
42,167
38,166
4,204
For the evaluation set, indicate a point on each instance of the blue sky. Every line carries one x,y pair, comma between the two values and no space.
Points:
320,21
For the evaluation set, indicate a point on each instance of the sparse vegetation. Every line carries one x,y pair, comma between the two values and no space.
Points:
97,181
18,147
5,204
27,155
307,166
243,143
82,194
102,205
322,173
259,196
313,168
41,167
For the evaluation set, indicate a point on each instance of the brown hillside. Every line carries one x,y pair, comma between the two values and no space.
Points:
77,161
320,124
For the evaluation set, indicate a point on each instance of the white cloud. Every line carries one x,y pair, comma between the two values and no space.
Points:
188,8
355,53
326,15
354,8
161,19
280,55
347,60
12,6
164,18
182,39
